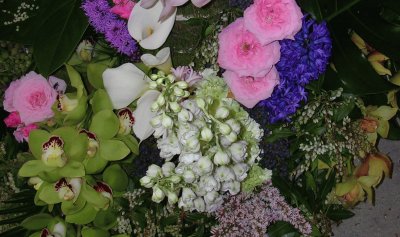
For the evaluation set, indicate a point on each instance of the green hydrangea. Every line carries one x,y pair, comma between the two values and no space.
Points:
256,177
212,86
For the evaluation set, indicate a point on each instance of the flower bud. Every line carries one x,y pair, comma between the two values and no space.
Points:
221,158
154,171
182,84
160,81
85,50
154,77
205,165
222,112
238,151
206,134
240,170
234,125
36,182
232,137
161,100
156,121
158,195
224,129
199,204
188,195
172,198
161,74
185,115
175,179
201,103
155,107
188,176
175,107
178,92
187,94
224,173
167,122
168,169
171,78
146,182
153,85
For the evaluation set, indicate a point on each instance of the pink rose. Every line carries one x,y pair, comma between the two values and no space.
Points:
251,90
123,8
8,102
241,52
32,97
271,20
22,133
13,120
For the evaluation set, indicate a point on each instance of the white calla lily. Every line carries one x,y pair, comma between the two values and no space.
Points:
162,60
146,28
125,84
143,114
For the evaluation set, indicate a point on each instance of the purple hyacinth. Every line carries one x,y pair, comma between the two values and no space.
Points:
109,24
302,60
251,214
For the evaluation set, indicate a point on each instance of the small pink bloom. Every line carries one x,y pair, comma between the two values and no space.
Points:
187,74
271,20
13,120
251,90
123,8
22,133
33,98
241,52
8,102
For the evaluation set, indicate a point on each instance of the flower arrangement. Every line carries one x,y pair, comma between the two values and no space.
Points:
200,118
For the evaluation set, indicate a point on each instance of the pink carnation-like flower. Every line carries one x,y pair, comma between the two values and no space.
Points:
32,97
185,73
271,20
22,133
241,52
13,120
123,8
251,90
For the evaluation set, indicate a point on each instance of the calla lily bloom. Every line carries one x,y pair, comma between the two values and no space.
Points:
144,26
124,84
142,127
170,5
161,61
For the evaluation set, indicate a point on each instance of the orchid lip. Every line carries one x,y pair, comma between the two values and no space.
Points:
53,153
89,134
102,187
45,233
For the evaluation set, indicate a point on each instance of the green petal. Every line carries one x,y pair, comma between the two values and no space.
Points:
36,139
116,177
113,150
70,207
94,232
48,194
94,165
33,168
84,216
73,169
101,101
75,144
105,124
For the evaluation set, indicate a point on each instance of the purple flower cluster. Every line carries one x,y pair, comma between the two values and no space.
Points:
109,24
275,156
251,214
302,60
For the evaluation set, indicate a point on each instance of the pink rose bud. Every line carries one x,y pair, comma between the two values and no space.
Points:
13,120
22,133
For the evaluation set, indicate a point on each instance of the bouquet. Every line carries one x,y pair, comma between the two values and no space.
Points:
203,118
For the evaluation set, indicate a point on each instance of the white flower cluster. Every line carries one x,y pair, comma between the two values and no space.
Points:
213,138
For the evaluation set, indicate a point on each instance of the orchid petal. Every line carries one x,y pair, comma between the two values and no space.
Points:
200,3
124,84
60,229
148,3
143,115
162,60
144,26
176,3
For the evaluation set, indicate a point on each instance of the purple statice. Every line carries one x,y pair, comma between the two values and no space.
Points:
242,4
302,60
109,24
251,214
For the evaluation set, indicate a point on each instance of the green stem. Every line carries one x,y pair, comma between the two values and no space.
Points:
78,231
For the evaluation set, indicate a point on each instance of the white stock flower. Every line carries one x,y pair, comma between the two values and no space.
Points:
188,158
240,170
232,186
235,125
154,171
169,146
172,197
144,25
168,169
209,183
238,151
224,173
221,158
158,194
189,176
205,165
199,204
146,182
213,201
185,116
124,84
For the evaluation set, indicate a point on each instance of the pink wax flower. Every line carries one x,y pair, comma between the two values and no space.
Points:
13,120
32,97
241,52
22,133
187,74
271,20
251,90
123,8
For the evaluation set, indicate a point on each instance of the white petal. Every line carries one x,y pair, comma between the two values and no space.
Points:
143,115
161,57
124,84
60,229
143,26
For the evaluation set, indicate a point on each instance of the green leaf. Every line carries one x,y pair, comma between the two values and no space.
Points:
338,213
354,71
73,169
83,217
131,142
101,101
116,177
36,139
95,74
113,150
33,168
394,131
37,222
105,124
75,143
282,229
279,134
94,232
310,181
61,31
327,186
343,110
105,220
